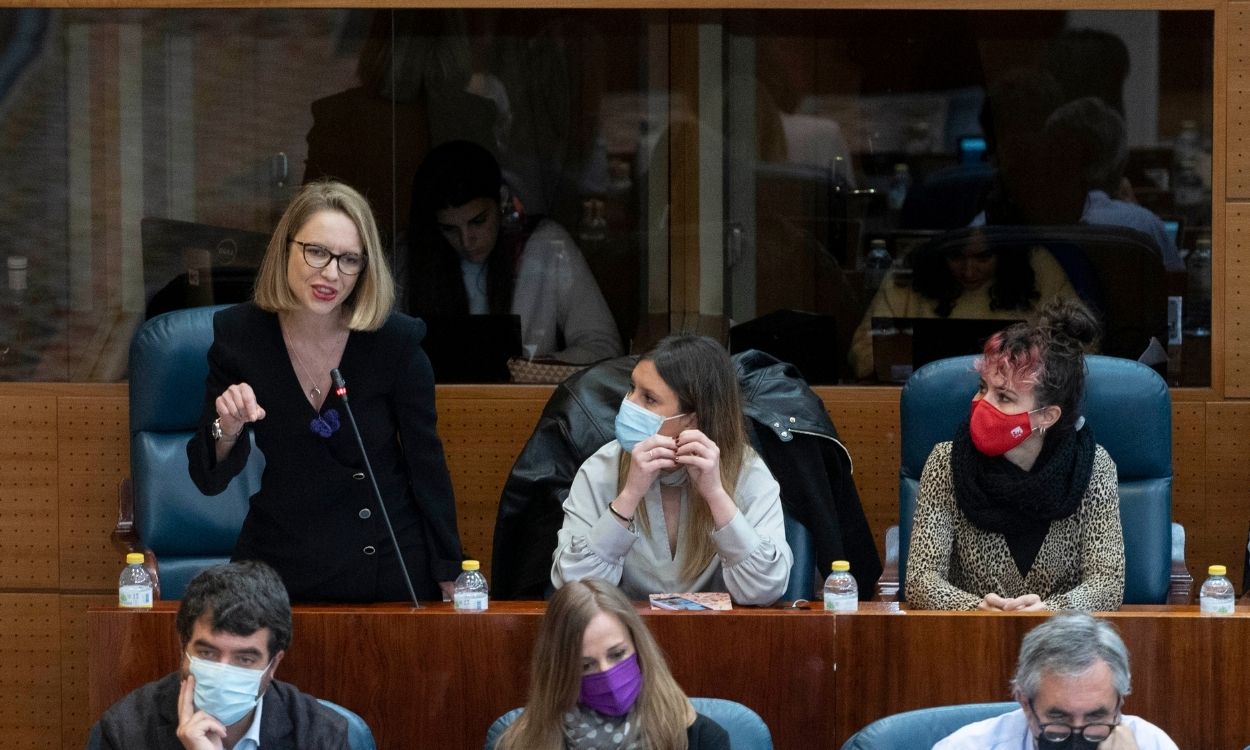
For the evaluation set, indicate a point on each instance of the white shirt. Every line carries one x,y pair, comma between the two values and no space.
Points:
251,740
752,560
1011,732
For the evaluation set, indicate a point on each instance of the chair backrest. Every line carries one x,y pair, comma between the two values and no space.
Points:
186,530
802,583
1129,408
747,731
359,736
923,727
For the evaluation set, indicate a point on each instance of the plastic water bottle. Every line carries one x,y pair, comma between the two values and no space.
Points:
900,183
876,265
471,594
134,588
1216,595
841,591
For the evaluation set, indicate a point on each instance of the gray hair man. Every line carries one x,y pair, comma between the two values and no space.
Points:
1071,680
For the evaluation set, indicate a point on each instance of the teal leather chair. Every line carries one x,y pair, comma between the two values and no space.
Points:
1129,408
162,513
747,731
923,727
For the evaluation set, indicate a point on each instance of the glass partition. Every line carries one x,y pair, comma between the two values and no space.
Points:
902,183
148,153
861,190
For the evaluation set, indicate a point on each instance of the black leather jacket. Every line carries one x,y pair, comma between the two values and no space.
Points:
789,428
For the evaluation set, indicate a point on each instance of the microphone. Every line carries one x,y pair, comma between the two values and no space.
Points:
340,390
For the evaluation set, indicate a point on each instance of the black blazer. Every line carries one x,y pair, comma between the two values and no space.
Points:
315,519
289,720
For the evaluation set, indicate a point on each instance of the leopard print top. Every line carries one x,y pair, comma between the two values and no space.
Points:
952,564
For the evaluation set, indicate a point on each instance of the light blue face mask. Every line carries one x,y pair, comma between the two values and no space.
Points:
635,424
224,691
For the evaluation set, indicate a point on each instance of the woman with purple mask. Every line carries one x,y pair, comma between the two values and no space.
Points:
599,681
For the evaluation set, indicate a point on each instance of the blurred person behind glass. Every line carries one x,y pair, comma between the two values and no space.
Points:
466,260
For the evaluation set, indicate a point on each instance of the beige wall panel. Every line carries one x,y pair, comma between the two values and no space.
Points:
867,422
1238,177
95,456
1189,505
28,494
75,717
1227,511
1236,343
30,652
482,435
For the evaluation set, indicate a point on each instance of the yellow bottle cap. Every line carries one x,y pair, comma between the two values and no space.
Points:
1217,570
841,566
470,565
134,558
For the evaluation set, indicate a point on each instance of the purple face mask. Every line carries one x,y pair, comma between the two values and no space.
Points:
613,691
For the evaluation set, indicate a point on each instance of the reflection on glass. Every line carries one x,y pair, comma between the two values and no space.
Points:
966,166
148,152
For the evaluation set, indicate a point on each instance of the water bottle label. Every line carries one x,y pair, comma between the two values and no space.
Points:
135,597
841,603
471,601
1212,606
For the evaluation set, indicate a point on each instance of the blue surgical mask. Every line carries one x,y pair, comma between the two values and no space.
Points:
224,691
635,424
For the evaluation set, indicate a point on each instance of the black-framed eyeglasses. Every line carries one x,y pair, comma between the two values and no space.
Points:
1059,732
319,256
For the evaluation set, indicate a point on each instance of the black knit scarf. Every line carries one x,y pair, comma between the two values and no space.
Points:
996,495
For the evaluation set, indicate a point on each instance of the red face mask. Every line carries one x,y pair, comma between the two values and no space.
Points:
993,432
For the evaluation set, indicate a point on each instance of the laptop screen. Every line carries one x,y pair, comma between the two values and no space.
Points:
472,348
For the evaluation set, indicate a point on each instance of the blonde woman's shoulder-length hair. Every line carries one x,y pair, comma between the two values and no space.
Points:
663,712
374,295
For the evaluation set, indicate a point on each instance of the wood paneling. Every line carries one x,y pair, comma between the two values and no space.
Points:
76,715
94,447
444,677
483,431
1236,338
815,678
1237,176
30,652
28,494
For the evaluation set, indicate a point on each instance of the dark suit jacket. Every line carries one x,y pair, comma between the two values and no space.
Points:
315,519
289,720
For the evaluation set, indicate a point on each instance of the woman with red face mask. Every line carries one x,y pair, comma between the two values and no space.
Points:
1021,511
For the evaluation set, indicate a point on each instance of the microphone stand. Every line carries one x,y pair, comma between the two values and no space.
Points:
340,389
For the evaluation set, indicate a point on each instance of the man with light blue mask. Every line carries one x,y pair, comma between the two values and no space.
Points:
234,624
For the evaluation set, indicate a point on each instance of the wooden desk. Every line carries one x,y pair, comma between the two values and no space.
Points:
814,678
444,677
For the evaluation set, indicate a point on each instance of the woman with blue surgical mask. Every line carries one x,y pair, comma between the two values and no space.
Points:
679,502
599,682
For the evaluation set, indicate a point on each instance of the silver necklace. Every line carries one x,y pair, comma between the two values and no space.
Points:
314,393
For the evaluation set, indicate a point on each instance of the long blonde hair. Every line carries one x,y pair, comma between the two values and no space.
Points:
370,302
702,375
662,712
